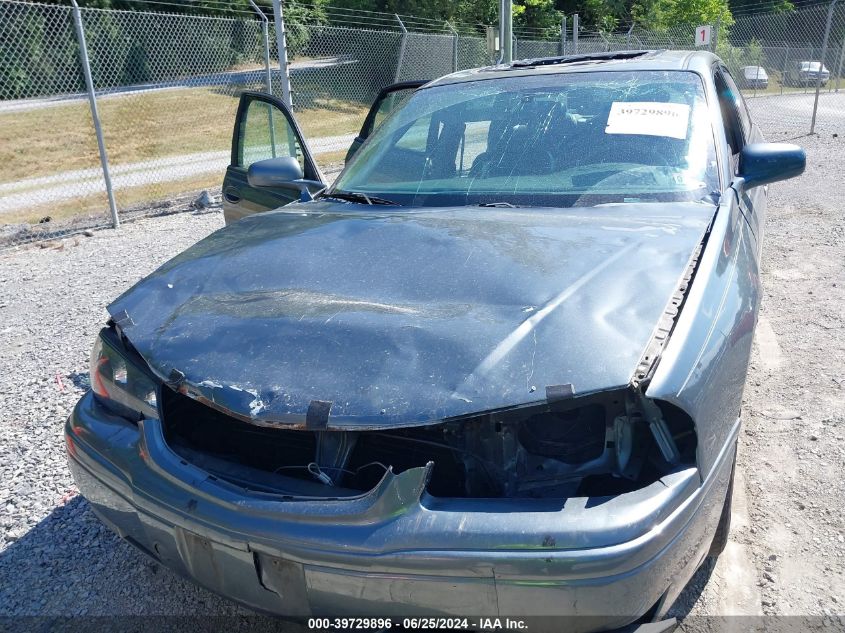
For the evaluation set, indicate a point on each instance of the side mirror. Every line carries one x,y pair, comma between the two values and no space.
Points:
763,163
283,171
274,172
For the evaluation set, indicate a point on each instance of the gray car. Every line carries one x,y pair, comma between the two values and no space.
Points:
495,369
807,74
754,77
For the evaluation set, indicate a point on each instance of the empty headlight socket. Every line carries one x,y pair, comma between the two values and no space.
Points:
641,407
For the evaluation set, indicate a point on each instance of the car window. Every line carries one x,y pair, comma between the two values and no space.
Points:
415,136
555,140
265,132
741,105
733,108
388,104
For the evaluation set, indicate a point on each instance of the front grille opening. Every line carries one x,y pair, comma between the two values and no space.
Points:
553,451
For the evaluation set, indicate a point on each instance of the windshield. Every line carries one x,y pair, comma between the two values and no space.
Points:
811,66
576,139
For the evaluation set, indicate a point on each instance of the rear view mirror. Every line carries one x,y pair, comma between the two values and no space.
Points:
274,172
764,163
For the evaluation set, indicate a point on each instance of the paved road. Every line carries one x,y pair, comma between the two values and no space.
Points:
229,78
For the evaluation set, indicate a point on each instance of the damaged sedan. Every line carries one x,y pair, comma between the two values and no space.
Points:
495,369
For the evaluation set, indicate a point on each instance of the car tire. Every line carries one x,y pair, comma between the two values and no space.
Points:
720,538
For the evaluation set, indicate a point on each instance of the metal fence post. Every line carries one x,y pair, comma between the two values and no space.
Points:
812,57
628,37
715,40
821,64
95,115
506,19
281,45
575,33
454,47
265,32
402,44
563,35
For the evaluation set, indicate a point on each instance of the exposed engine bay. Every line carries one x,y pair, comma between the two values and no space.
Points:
603,444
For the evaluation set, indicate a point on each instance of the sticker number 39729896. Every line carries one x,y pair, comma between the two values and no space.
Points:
648,118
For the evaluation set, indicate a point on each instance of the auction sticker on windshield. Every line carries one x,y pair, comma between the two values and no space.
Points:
648,118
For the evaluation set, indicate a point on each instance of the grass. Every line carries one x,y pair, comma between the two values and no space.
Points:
141,126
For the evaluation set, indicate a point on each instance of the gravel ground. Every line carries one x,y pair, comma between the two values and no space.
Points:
787,554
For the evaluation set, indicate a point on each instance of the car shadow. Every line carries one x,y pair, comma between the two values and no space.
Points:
691,594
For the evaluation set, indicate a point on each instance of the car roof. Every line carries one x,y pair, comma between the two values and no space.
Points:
642,60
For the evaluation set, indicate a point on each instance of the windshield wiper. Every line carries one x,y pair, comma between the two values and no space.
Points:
506,205
357,196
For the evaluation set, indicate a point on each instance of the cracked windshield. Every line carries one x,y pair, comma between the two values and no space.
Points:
576,139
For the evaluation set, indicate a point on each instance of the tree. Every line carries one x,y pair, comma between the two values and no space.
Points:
659,15
748,7
537,14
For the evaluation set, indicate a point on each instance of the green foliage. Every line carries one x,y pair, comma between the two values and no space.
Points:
533,14
604,15
37,56
537,14
299,19
738,56
659,15
761,6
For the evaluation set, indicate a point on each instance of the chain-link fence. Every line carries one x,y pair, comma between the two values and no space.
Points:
166,92
166,89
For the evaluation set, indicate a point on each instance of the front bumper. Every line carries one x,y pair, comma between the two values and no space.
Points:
609,559
812,78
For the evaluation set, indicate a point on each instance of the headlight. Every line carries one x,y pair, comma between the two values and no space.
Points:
120,384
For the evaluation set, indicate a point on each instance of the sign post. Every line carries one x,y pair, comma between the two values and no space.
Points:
703,34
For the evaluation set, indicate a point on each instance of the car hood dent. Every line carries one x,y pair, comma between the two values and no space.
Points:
403,317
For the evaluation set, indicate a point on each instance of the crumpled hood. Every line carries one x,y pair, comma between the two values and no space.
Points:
401,316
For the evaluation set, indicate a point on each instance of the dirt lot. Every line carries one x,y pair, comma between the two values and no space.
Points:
787,553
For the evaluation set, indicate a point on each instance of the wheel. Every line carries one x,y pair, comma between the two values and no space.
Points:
720,538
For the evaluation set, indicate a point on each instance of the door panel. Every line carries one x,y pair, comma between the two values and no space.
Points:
385,103
264,128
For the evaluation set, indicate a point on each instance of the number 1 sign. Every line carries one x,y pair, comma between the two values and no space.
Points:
702,35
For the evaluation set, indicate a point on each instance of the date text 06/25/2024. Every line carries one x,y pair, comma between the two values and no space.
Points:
421,623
